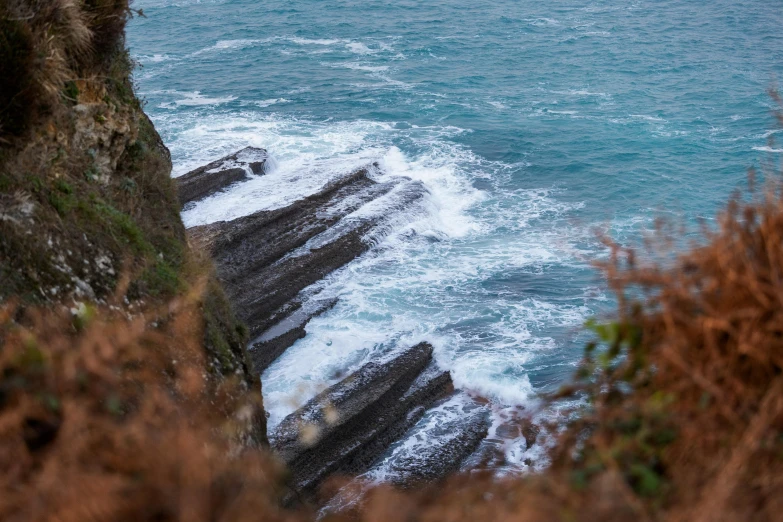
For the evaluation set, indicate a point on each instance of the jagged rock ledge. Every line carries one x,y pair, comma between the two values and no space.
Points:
209,179
454,432
346,428
267,258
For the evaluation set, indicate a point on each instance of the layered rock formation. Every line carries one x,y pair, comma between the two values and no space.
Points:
218,175
456,430
347,427
267,258
268,263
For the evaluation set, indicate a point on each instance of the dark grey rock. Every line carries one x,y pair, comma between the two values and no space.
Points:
347,427
265,259
430,452
275,340
214,177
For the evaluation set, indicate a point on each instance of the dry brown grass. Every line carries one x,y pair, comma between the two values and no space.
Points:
44,45
109,417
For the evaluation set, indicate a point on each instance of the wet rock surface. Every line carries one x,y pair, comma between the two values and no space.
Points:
276,339
346,428
265,259
268,263
214,177
454,431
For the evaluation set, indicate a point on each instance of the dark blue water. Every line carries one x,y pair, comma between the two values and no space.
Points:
531,123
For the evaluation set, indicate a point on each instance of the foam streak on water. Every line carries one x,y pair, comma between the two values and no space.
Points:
529,124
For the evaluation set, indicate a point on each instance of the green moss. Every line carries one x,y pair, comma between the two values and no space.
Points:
63,186
128,185
63,203
34,183
91,173
123,227
224,336
161,279
71,92
220,347
119,77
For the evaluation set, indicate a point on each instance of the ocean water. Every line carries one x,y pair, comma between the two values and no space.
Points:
532,124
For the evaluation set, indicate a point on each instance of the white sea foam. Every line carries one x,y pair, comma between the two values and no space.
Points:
228,45
359,48
362,67
271,101
423,280
566,113
768,149
647,117
194,99
582,92
430,432
543,22
316,41
771,133
309,156
155,58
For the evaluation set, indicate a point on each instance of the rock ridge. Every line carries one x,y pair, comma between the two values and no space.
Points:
347,427
216,176
267,258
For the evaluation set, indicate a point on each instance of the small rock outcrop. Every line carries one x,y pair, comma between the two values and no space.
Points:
209,179
346,428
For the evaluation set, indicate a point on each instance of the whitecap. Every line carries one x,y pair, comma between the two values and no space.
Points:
362,67
647,117
155,58
271,101
195,99
228,45
317,41
542,22
359,48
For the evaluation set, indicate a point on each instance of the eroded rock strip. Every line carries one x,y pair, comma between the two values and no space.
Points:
348,426
214,177
274,341
265,259
437,445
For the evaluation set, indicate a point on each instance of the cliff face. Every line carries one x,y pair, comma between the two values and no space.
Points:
88,210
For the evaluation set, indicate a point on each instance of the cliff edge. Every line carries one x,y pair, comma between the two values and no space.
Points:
89,213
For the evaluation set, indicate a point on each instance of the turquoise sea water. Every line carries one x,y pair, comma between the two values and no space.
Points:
531,123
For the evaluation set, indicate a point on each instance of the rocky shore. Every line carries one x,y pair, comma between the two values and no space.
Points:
267,262
344,429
